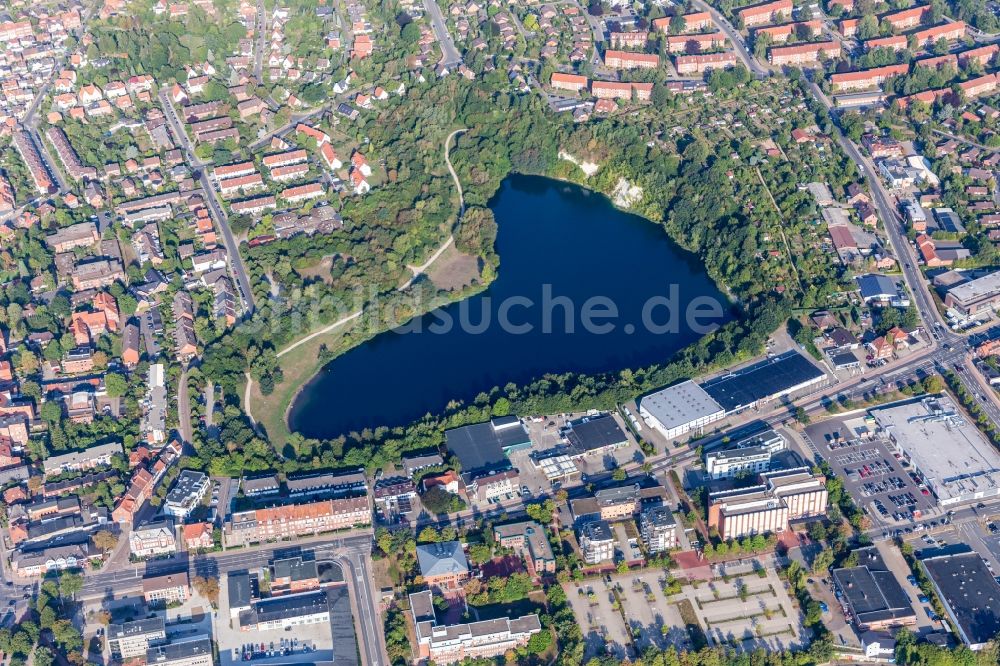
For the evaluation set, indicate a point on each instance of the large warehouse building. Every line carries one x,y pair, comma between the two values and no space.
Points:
679,409
871,595
976,295
970,594
952,456
686,407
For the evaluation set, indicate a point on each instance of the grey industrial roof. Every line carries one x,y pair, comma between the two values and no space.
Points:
194,647
973,290
285,607
680,404
871,590
876,286
481,445
594,433
239,588
442,558
761,381
969,592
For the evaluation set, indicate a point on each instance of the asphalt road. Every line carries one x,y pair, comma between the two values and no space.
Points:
351,552
735,38
258,48
232,247
449,54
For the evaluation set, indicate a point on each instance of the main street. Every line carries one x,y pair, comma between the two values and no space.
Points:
735,38
351,552
232,247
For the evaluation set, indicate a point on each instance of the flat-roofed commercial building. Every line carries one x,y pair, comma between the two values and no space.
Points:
970,594
486,445
975,295
286,611
761,382
528,539
594,435
737,462
191,652
447,644
783,496
132,639
952,457
680,409
872,596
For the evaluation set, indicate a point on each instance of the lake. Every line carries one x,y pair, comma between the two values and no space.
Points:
582,287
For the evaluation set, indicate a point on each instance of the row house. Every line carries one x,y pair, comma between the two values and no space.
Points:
231,186
701,63
295,520
629,40
572,82
983,55
40,172
254,205
768,12
67,155
946,31
613,90
979,85
290,172
695,43
938,62
782,33
303,192
627,60
284,159
693,22
867,78
907,18
894,42
803,53
234,170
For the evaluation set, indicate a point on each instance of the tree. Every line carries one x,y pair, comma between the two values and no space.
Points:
868,27
105,540
539,643
823,561
208,588
70,583
410,33
678,24
115,384
51,411
437,500
480,553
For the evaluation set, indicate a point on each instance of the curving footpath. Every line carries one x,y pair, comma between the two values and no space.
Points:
417,272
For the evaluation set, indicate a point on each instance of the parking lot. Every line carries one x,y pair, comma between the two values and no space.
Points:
545,438
891,494
306,643
748,611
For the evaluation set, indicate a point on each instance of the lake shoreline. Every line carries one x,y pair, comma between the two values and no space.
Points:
687,269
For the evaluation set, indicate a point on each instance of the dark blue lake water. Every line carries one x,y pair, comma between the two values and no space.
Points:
582,287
